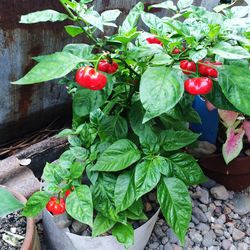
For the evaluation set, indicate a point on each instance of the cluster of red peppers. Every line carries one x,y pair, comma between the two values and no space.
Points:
57,205
199,85
90,78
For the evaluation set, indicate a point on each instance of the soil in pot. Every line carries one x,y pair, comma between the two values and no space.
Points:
12,231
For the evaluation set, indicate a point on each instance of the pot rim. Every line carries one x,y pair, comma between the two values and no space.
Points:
30,227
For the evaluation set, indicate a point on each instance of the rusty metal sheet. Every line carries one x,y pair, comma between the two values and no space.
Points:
24,109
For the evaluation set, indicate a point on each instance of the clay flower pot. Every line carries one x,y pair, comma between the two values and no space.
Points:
234,176
31,241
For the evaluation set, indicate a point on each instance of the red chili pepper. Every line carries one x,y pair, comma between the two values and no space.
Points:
106,66
89,78
68,192
154,40
198,86
205,70
177,51
55,206
187,65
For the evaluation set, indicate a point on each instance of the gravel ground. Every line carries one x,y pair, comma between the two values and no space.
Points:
220,220
15,225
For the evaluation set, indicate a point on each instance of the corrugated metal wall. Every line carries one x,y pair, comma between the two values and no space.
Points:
23,109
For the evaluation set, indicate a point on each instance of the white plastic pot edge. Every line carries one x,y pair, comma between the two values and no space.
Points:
62,239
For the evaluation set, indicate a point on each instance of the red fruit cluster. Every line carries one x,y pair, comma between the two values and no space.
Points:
56,206
200,85
106,66
154,40
89,78
206,70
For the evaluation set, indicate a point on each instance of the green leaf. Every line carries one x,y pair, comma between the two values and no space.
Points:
86,101
73,30
147,175
182,4
66,132
76,170
109,16
79,153
161,89
9,203
50,67
175,204
79,205
103,197
36,203
92,17
218,99
135,212
173,140
144,51
185,168
101,225
43,16
124,191
161,59
226,50
198,55
79,49
124,234
113,128
74,141
235,85
131,20
169,5
118,156
155,24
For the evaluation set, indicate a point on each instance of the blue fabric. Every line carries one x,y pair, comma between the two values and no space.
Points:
209,121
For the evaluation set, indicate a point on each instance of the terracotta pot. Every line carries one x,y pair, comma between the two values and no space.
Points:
234,176
31,241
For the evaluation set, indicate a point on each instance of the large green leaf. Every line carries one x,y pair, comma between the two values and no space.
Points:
175,204
101,225
79,205
169,5
131,20
93,18
118,156
185,167
36,203
135,212
43,16
173,140
218,99
86,101
148,174
226,50
113,128
235,85
8,203
103,197
124,234
161,89
50,67
124,191
79,49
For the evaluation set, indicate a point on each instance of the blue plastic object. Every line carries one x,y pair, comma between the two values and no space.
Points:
209,121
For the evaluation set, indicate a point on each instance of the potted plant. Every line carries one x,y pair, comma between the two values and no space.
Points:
11,202
132,99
